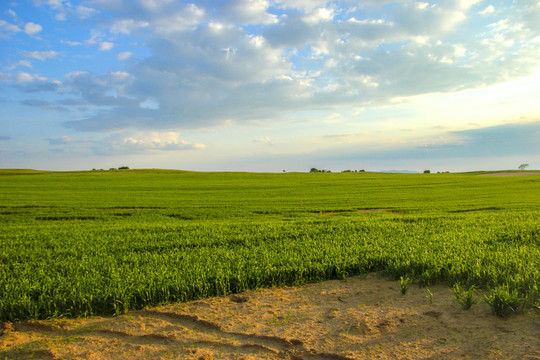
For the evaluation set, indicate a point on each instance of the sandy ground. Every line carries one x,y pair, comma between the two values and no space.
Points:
363,317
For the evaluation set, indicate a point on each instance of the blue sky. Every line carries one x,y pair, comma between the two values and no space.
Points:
270,85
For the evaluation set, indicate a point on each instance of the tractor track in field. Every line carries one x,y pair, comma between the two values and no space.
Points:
362,317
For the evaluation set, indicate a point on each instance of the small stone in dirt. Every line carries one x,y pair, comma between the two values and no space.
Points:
239,299
435,314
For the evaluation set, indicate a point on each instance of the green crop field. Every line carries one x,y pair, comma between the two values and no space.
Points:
104,242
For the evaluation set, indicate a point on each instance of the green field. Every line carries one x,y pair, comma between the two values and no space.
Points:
104,242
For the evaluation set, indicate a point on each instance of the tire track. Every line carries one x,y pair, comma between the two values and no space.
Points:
170,340
286,348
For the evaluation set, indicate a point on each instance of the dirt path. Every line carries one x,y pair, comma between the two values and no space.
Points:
363,317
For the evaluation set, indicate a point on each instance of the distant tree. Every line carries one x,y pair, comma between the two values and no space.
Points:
315,170
427,172
523,166
123,168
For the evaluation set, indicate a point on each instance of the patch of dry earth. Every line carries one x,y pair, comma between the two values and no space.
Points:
363,317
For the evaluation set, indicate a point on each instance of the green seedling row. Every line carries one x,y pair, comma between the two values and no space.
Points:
78,244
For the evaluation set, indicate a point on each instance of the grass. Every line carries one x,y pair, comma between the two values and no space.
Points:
464,298
404,283
104,242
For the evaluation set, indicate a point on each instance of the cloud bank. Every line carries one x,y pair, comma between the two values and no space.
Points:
243,61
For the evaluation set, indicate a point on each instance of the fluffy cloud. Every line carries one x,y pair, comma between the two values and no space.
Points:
125,143
71,43
31,83
124,55
143,142
7,29
41,55
241,61
105,46
306,5
25,63
83,12
65,9
247,12
24,77
265,140
165,141
319,15
488,10
32,29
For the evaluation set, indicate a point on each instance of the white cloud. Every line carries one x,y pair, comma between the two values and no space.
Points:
149,103
105,46
25,63
7,28
41,55
56,5
126,26
95,37
46,84
265,140
208,65
306,5
249,12
180,20
33,83
32,29
488,10
154,5
124,55
144,142
83,12
24,77
120,76
74,74
319,15
71,43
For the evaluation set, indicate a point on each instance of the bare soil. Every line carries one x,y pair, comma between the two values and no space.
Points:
362,317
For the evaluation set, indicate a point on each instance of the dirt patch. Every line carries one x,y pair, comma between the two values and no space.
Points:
513,173
363,317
